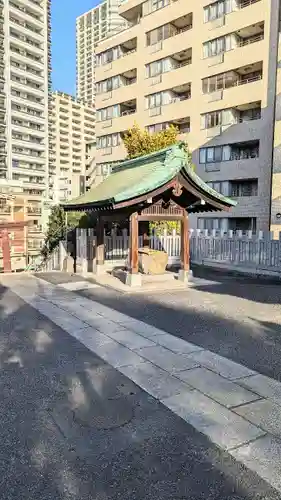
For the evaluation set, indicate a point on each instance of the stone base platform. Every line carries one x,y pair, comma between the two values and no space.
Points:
120,280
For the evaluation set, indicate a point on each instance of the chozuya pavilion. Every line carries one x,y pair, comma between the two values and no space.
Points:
154,187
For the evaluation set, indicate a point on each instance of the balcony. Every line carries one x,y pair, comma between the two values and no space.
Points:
24,86
170,105
5,209
124,53
231,158
133,13
24,27
125,90
220,13
234,49
216,122
33,5
182,124
25,12
169,71
169,38
24,41
123,121
27,59
240,85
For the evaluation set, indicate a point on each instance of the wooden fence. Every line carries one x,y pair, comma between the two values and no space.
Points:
258,253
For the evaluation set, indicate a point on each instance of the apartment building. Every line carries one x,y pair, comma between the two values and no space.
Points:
208,68
72,125
91,27
25,58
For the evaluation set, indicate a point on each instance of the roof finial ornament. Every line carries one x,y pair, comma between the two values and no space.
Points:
177,191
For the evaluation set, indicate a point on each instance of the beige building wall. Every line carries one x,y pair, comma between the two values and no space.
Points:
72,125
216,82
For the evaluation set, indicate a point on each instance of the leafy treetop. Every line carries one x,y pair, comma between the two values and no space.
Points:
140,142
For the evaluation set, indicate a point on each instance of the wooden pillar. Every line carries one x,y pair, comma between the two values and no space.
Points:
100,242
6,251
184,247
134,243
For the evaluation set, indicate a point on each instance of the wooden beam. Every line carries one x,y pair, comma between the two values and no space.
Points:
6,252
100,242
156,218
185,243
134,243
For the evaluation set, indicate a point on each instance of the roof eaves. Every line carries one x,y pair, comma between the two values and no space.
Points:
210,191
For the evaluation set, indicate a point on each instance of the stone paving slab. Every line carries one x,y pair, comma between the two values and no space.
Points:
176,345
221,425
265,386
118,355
131,339
154,380
264,413
223,366
262,456
166,359
91,338
141,328
78,285
218,388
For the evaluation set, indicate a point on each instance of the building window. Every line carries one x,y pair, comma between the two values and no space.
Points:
107,141
217,118
221,187
218,46
248,187
229,152
210,223
108,85
161,33
108,113
218,9
242,224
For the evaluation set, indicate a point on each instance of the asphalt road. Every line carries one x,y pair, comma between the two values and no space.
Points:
72,427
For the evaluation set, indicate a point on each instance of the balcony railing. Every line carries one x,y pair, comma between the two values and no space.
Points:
184,63
253,39
244,155
257,116
128,112
249,80
246,3
180,98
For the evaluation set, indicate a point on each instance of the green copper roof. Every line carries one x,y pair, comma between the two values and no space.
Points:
139,176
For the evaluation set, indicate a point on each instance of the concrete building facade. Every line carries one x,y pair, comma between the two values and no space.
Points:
92,27
210,69
25,83
72,125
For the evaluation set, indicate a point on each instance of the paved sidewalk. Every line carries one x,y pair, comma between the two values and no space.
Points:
235,407
72,427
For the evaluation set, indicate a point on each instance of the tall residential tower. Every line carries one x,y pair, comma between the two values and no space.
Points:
25,59
91,27
72,126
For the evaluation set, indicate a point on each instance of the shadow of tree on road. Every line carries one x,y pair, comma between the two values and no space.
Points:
263,290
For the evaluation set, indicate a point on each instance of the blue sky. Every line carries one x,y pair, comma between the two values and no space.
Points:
64,13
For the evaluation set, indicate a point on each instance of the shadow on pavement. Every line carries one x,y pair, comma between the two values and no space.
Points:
254,343
73,428
263,290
